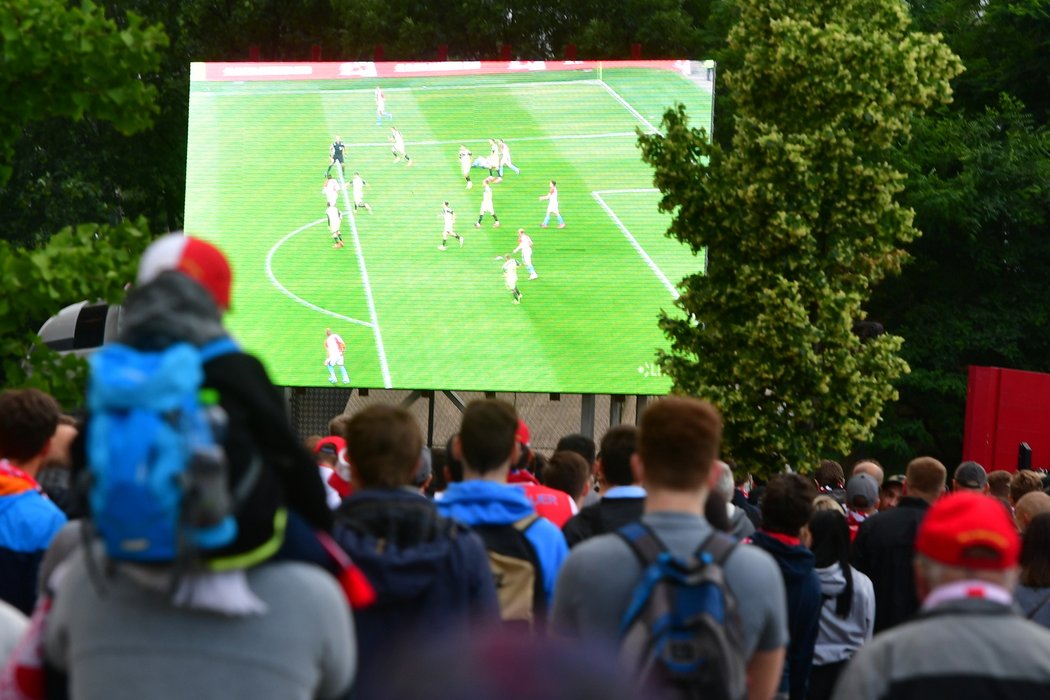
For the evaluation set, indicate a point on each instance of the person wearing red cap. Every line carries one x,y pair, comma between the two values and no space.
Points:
968,640
182,289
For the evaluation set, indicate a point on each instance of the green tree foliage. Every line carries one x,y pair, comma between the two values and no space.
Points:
84,262
62,64
801,217
980,188
61,61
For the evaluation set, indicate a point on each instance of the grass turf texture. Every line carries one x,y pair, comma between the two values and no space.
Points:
443,319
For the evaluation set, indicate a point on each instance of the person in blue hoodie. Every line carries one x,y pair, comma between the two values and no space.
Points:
525,551
787,507
430,574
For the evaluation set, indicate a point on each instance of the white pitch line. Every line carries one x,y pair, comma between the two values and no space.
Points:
565,137
636,245
383,366
292,295
630,109
635,190
422,88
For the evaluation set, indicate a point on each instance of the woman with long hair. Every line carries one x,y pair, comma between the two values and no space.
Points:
847,616
1033,590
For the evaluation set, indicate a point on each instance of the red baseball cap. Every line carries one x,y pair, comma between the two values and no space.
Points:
969,530
197,259
522,433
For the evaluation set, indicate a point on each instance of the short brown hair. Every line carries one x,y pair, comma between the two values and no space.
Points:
567,471
787,504
678,440
1024,481
1035,553
829,473
383,444
618,444
28,418
487,434
337,426
999,483
926,476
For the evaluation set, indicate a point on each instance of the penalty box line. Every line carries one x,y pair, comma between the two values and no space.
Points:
597,194
377,333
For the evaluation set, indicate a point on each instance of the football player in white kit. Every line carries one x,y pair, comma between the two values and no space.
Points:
465,164
381,107
334,347
552,206
525,248
504,158
359,194
449,217
486,206
399,147
510,278
331,191
335,220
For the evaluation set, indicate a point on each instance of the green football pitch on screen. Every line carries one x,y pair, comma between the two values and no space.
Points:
419,297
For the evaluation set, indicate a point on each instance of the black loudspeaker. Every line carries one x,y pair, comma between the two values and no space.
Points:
1024,456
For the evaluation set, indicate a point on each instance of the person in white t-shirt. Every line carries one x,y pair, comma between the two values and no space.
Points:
381,107
449,218
525,248
486,206
335,221
334,348
399,147
359,193
552,206
465,164
504,158
510,278
331,191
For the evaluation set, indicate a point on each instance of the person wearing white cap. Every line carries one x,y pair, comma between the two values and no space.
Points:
166,631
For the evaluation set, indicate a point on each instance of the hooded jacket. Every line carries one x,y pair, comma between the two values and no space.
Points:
173,308
839,638
28,522
431,574
802,586
478,502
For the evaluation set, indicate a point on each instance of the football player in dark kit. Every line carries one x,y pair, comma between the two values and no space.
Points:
336,153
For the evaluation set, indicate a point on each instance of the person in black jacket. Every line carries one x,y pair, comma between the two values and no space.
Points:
431,574
623,499
884,547
787,507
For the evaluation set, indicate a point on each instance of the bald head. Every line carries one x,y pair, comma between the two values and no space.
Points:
871,468
1028,506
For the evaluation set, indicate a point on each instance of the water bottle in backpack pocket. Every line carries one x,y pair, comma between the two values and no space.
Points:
158,482
681,636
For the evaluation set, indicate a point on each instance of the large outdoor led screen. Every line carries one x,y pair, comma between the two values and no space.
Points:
422,296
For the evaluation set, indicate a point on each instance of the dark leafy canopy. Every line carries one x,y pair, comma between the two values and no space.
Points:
71,63
979,187
801,218
61,61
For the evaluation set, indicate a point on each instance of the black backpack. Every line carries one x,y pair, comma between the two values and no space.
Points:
517,574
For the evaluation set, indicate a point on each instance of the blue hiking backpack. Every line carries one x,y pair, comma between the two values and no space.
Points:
156,466
681,636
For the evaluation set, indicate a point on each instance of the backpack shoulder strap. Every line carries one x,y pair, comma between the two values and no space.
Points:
526,522
643,542
224,345
719,545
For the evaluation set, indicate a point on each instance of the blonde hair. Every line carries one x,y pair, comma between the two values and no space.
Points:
826,502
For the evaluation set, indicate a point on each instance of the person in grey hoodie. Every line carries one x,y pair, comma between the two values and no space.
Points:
847,615
1033,592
